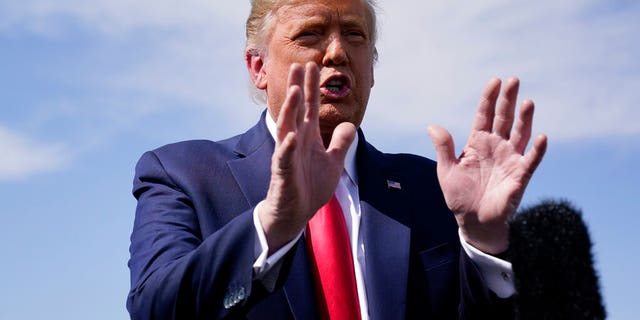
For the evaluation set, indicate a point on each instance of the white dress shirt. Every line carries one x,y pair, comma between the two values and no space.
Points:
497,273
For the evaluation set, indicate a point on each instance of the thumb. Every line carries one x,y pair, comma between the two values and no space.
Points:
443,143
341,140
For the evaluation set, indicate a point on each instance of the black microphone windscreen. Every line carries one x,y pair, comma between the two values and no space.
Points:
550,252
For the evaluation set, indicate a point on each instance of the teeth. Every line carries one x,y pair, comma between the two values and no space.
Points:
335,85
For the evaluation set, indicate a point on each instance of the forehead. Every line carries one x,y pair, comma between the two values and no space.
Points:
346,11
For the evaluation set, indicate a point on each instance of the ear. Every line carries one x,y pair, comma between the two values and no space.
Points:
373,77
373,80
255,65
375,60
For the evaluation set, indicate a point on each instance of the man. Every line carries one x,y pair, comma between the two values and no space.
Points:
225,229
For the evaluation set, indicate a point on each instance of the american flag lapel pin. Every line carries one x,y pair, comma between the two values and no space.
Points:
394,185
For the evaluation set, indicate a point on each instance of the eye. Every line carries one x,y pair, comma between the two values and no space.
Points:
355,35
307,36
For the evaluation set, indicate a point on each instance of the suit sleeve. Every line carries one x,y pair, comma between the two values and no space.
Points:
477,300
175,272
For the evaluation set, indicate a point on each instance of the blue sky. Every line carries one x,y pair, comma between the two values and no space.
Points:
88,86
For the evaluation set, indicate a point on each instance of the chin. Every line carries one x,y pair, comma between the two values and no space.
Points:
333,114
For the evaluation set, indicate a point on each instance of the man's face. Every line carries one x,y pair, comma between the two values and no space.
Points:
335,34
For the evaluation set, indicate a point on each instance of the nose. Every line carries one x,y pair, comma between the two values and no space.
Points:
335,53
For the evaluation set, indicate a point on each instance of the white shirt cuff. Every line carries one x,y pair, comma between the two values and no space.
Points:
497,272
267,268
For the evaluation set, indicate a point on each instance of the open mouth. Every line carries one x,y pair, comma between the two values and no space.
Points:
336,87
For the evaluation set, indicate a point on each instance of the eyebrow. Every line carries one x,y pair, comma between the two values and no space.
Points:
353,21
348,21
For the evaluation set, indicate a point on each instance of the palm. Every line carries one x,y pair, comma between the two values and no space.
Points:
485,185
487,179
303,172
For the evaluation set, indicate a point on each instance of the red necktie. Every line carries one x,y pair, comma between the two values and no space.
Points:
328,241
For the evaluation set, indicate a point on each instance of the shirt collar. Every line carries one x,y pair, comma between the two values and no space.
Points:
349,161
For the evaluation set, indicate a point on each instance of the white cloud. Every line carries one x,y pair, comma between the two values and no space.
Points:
576,59
22,157
117,16
186,54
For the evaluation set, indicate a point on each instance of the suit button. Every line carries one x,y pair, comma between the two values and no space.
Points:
240,295
234,297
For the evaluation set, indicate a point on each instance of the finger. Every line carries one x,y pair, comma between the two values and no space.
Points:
312,91
522,131
287,117
486,107
283,155
504,114
341,140
296,75
445,148
534,156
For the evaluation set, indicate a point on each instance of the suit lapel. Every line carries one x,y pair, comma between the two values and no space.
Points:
252,167
386,238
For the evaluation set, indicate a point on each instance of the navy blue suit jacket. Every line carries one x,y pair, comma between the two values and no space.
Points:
192,246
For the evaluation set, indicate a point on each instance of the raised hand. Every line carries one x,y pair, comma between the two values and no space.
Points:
304,174
484,186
